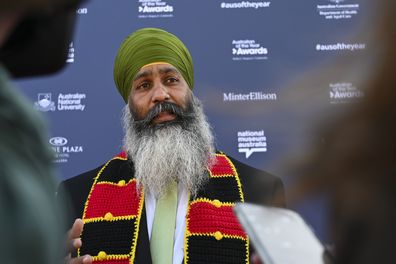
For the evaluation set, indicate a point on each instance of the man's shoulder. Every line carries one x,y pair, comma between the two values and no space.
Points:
243,167
251,173
82,177
259,186
112,167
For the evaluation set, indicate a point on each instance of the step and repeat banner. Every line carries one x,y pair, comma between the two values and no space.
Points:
256,71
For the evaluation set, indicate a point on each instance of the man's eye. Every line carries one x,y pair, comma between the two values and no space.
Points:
171,80
144,85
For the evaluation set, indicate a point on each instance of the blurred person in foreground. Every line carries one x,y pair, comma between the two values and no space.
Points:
354,160
168,197
34,37
355,164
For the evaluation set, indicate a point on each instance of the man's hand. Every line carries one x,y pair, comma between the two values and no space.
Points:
74,243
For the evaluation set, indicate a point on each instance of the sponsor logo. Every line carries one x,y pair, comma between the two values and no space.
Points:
62,150
66,102
154,9
44,102
250,142
82,11
248,50
58,141
252,96
344,92
338,11
245,4
71,102
70,54
341,47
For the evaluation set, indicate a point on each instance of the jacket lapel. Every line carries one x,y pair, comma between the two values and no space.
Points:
143,254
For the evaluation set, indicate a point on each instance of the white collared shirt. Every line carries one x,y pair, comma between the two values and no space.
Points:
182,204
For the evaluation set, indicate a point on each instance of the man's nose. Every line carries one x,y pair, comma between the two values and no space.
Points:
160,93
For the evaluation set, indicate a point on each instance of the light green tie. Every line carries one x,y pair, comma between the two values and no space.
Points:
161,244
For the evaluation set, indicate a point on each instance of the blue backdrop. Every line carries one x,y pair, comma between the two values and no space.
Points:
249,57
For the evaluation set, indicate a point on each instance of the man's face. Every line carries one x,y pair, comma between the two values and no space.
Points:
155,84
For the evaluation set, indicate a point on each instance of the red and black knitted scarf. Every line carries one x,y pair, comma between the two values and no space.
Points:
113,210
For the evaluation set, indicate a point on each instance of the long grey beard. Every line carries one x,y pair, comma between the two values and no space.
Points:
171,152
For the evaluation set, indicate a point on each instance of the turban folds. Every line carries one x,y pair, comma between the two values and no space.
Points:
150,45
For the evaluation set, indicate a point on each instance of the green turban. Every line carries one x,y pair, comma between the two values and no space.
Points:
145,46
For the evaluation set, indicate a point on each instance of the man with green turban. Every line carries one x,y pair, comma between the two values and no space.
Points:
168,197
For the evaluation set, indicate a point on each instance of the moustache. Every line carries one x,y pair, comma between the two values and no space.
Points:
182,116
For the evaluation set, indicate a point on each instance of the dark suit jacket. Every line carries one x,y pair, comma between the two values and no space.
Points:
258,187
